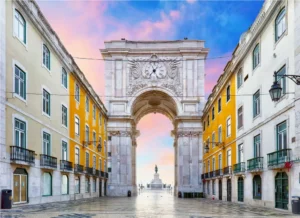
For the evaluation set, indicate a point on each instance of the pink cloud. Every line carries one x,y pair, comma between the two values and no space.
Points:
191,1
175,14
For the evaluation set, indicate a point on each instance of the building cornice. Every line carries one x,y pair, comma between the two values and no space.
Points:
36,16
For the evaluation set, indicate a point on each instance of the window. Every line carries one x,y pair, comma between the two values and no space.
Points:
256,56
77,185
105,147
87,159
100,164
204,126
46,143
77,92
280,24
257,146
282,80
213,164
240,78
204,168
64,150
229,158
47,184
20,27
94,138
94,112
65,185
281,136
87,133
213,139
208,120
20,82
257,187
213,187
94,185
46,57
208,192
240,153
208,166
256,104
228,125
100,118
77,125
220,161
220,134
87,184
94,162
20,133
100,142
228,93
219,104
64,115
76,155
87,104
105,170
213,113
46,102
64,78
240,117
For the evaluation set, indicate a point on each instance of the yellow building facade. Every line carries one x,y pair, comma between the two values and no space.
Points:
88,147
219,134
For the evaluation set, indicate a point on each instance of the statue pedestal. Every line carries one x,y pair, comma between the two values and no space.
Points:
156,183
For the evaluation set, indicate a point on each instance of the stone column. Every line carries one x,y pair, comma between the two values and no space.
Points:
121,176
188,167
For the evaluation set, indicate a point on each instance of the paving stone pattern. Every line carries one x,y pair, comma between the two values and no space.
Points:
147,204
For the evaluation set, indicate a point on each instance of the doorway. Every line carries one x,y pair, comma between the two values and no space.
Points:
220,189
100,187
228,189
240,189
20,186
281,190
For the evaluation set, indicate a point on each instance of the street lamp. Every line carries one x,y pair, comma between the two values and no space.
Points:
276,89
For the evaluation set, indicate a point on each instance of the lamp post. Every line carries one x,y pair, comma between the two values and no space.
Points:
276,89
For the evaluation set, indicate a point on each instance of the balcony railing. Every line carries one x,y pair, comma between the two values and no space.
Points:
48,161
66,165
78,168
211,174
206,175
102,174
97,173
90,170
239,167
219,172
202,176
256,164
278,158
106,175
227,170
21,154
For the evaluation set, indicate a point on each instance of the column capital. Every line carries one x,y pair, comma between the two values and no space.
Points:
188,133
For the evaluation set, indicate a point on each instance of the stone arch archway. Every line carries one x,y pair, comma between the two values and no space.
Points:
164,77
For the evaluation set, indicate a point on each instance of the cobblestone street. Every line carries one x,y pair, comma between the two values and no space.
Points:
147,204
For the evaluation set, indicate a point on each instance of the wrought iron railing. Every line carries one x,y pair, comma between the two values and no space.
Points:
239,167
21,154
279,157
102,174
219,172
206,175
211,174
48,161
256,163
106,175
227,170
90,170
97,173
66,165
78,168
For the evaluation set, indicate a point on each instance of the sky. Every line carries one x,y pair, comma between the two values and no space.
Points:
84,25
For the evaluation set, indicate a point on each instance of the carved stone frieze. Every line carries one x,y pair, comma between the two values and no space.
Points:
161,72
188,133
120,133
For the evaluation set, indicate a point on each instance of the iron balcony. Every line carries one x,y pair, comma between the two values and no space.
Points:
106,175
78,168
90,170
239,168
219,172
255,164
98,173
66,165
48,161
22,154
227,171
277,159
102,174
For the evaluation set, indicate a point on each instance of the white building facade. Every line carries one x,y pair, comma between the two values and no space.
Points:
267,173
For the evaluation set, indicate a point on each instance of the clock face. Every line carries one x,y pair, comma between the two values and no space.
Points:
154,70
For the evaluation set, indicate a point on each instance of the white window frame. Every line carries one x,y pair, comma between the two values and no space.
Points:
47,90
87,103
21,67
16,35
94,111
77,117
77,95
242,117
228,130
22,119
87,133
220,134
62,115
44,130
46,67
63,70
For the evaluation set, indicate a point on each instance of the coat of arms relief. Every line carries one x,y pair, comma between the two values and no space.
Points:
159,72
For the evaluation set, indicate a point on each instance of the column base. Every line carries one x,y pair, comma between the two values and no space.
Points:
115,190
192,191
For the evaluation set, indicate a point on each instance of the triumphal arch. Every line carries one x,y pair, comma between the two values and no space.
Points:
154,76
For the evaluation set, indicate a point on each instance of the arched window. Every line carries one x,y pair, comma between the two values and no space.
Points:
257,187
77,185
47,184
46,57
64,78
240,78
280,24
65,185
20,26
256,56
